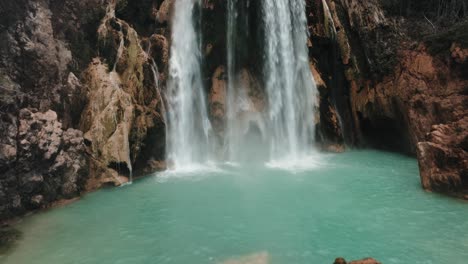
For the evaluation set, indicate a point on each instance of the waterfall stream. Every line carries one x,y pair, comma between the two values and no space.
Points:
290,86
188,123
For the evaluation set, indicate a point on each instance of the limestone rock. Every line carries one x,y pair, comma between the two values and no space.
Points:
164,12
123,120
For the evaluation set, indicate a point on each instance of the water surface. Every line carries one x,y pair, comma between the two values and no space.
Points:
357,204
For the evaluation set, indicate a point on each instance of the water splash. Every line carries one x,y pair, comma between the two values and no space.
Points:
189,128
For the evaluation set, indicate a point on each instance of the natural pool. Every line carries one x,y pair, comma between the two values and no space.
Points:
357,204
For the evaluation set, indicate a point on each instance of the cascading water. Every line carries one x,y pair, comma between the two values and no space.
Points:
188,123
291,89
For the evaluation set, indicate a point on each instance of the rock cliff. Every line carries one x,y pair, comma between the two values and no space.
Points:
81,103
393,88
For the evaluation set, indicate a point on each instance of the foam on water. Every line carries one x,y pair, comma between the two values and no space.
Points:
311,161
191,170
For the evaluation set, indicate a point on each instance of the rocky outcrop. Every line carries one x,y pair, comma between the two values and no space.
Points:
52,164
53,64
42,156
400,93
443,159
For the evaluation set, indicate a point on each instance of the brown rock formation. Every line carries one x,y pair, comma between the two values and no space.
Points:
125,105
404,94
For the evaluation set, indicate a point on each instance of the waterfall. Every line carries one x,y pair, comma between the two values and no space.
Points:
286,122
287,125
290,87
188,123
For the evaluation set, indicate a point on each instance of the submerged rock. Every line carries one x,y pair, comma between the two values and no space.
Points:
257,258
365,261
362,261
8,238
